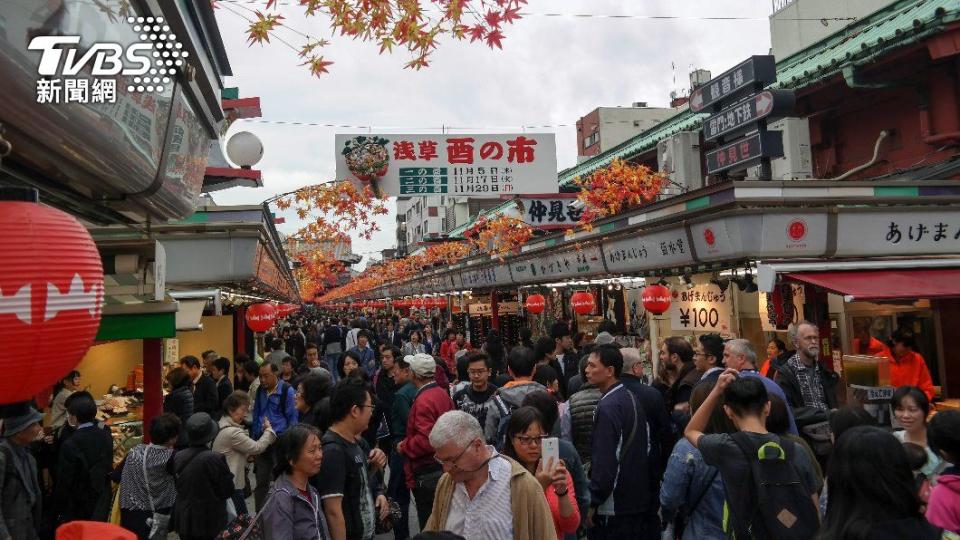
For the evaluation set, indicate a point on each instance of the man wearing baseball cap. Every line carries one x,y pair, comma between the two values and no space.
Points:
422,470
20,493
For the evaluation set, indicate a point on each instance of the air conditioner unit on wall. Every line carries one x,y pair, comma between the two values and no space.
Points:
679,157
797,160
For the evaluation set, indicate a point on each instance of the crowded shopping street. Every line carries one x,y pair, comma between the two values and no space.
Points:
479,270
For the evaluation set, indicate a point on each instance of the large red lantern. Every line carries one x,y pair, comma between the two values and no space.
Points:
536,303
420,302
51,294
260,317
656,298
286,309
583,303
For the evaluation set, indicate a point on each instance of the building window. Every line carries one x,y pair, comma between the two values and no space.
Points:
591,140
432,211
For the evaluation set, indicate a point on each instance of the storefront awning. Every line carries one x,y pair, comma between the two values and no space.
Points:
886,284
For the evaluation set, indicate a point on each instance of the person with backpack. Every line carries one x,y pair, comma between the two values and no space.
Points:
204,483
691,495
83,467
770,483
521,363
275,400
348,485
622,504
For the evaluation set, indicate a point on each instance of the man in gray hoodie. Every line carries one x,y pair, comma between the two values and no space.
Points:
520,365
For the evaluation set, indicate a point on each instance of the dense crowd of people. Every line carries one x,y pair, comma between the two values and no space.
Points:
343,424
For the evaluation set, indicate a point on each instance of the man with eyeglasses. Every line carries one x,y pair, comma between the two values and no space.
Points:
475,398
811,390
421,470
351,496
482,494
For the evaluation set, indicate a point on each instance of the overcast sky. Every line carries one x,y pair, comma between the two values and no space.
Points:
551,71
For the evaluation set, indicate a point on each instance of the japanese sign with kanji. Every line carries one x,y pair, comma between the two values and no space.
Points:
655,250
450,164
756,70
553,265
917,232
486,277
550,212
704,308
745,152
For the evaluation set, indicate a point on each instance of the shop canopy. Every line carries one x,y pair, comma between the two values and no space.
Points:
888,284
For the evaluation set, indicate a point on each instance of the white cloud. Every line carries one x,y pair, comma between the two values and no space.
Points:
552,71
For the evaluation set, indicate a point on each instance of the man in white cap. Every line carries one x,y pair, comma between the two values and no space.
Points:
20,493
422,470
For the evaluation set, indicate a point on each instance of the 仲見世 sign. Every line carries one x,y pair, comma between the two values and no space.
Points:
454,165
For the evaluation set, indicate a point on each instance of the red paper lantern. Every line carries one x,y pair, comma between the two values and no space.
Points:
656,298
583,303
51,294
536,303
260,317
420,303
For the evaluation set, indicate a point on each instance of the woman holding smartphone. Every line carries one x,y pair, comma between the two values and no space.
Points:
528,443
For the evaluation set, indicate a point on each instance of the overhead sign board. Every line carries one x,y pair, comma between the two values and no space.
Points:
549,212
486,277
479,166
745,152
565,264
654,250
756,70
744,114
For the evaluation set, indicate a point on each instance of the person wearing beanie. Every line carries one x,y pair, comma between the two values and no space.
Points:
204,482
20,493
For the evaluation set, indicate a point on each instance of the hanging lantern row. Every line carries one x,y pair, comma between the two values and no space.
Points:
260,317
51,295
583,303
656,298
535,304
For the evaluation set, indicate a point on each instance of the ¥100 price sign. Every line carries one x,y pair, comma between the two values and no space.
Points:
703,308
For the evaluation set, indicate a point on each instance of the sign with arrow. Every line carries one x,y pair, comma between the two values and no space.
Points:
751,74
744,114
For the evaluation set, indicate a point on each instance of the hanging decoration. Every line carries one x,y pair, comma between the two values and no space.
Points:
583,303
51,295
615,188
260,317
414,26
656,298
499,236
535,304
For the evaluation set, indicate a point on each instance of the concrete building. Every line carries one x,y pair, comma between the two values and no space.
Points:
798,24
419,218
606,127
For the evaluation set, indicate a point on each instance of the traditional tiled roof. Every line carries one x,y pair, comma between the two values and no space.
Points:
894,26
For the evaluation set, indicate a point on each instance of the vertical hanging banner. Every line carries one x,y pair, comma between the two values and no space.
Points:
479,166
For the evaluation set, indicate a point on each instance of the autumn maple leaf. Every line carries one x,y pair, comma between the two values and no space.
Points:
259,31
271,3
493,19
477,32
509,15
317,65
494,39
418,63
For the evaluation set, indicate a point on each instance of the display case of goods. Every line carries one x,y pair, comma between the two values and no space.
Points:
510,326
126,435
479,329
866,371
588,324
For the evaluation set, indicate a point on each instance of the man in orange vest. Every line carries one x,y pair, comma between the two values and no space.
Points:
908,367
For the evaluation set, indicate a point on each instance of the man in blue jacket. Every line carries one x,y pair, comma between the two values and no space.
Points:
621,498
274,401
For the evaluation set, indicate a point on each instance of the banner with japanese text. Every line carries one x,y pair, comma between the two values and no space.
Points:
480,166
702,308
550,211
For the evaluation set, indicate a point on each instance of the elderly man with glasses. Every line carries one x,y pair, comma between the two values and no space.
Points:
482,494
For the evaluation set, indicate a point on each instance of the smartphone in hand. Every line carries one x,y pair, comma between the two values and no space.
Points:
550,450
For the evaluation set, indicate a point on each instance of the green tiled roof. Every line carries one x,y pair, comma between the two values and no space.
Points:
899,24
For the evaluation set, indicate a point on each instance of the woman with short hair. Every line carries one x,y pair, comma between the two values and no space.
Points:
293,510
146,477
234,442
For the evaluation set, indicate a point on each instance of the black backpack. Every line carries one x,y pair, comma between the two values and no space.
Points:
779,506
